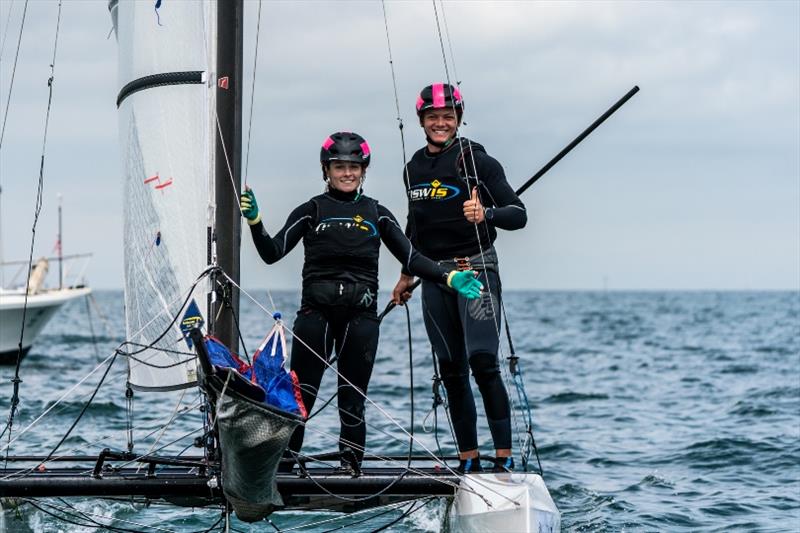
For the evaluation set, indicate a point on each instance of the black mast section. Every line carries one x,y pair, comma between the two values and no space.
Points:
227,170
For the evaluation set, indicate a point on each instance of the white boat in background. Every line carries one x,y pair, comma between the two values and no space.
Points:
42,303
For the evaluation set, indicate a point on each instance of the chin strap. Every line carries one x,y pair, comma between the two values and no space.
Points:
439,144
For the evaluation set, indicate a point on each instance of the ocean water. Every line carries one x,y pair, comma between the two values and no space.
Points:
653,411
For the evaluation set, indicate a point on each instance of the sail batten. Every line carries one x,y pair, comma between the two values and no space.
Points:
165,109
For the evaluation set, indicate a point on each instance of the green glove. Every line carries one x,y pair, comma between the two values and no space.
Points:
250,207
465,283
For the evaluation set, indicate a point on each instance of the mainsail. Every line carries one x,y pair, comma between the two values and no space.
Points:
166,128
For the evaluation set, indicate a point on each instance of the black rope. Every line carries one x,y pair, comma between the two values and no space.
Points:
228,303
85,407
410,385
37,210
92,523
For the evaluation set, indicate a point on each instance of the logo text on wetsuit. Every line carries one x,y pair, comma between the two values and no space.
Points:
434,190
356,223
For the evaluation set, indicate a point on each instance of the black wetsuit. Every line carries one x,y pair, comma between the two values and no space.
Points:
341,235
464,333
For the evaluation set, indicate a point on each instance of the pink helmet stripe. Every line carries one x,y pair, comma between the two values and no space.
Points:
327,144
365,148
438,95
420,101
457,94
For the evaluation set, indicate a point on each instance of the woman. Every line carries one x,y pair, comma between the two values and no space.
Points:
341,231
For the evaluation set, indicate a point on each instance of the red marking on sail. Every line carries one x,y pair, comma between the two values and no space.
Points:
165,184
151,178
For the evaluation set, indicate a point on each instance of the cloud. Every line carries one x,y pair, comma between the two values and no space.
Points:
709,144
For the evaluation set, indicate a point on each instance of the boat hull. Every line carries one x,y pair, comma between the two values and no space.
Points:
518,502
40,309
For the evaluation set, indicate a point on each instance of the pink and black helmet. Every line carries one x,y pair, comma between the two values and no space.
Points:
345,146
438,96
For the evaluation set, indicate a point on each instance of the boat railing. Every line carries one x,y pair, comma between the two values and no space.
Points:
69,275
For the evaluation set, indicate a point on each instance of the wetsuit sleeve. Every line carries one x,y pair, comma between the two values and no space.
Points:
271,249
414,263
504,209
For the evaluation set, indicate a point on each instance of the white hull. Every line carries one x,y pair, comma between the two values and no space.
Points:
41,308
518,502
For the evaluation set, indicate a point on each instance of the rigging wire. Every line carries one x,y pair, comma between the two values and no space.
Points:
83,411
382,411
252,95
407,513
37,504
471,152
37,210
450,44
74,513
14,68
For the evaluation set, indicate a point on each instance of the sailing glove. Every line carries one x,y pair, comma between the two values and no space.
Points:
250,207
465,283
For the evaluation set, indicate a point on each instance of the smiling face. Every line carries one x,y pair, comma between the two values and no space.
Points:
440,126
345,176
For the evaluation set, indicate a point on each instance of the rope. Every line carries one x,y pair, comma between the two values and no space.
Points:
396,97
37,210
344,379
83,411
449,43
252,95
505,371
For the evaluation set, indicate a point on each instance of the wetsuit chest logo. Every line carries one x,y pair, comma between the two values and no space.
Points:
435,190
355,224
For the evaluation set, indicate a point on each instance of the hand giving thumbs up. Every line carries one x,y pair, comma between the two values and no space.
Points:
473,209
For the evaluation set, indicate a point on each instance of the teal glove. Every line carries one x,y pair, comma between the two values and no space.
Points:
250,207
465,283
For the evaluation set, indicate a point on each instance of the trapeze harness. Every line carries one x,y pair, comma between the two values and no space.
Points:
341,236
464,333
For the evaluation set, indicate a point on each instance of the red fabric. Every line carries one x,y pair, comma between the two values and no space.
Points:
298,396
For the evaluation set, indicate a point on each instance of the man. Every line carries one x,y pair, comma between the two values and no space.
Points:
458,195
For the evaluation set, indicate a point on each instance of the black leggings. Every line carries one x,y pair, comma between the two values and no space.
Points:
464,335
353,332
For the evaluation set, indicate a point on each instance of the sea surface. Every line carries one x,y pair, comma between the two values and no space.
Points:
653,411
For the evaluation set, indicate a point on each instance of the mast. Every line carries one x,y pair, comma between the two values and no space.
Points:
60,249
227,235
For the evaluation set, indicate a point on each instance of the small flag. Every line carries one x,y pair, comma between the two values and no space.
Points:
222,83
191,319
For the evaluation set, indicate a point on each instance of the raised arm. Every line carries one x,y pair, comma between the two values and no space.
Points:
272,249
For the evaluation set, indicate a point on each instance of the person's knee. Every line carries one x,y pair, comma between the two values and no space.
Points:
351,407
352,414
453,375
485,368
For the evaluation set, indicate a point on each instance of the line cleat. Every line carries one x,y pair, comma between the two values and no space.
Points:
469,466
503,464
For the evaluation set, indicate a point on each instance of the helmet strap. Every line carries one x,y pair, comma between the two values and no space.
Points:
440,145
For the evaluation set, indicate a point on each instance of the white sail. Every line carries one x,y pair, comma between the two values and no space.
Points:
166,130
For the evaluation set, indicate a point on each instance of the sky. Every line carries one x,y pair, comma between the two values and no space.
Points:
694,184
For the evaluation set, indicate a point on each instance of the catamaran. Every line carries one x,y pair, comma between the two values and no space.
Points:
181,78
